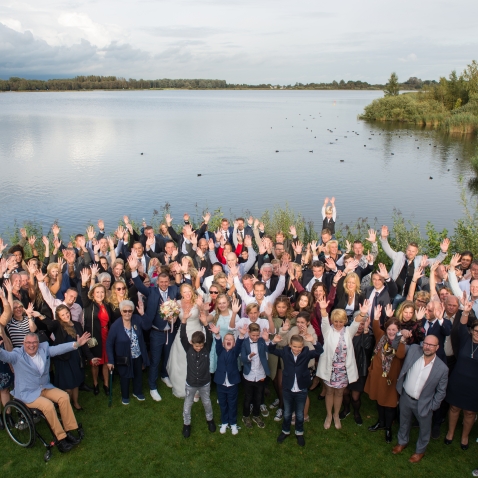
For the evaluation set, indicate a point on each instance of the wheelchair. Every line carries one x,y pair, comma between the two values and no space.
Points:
20,422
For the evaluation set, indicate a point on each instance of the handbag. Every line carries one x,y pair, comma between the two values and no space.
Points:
121,360
92,342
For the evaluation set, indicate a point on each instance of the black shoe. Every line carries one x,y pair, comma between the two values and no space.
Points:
320,397
106,389
447,442
388,435
2,425
300,440
84,388
64,446
96,389
211,426
376,427
186,431
464,447
282,437
358,419
436,432
344,413
72,439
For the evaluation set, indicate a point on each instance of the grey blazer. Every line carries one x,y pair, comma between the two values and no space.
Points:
434,390
29,382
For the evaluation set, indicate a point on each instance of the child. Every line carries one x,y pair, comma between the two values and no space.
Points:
256,368
227,377
198,378
329,216
295,381
252,311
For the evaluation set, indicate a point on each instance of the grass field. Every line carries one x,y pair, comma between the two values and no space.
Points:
144,439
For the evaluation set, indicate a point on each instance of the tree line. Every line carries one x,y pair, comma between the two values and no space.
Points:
93,82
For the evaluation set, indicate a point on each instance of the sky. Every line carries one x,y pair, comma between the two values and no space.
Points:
240,41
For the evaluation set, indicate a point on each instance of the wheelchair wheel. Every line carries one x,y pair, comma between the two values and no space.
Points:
19,424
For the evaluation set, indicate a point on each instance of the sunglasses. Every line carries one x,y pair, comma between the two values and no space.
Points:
213,292
127,311
120,288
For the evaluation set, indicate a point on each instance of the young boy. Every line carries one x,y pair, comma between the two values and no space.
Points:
198,378
252,311
295,381
227,377
256,368
329,216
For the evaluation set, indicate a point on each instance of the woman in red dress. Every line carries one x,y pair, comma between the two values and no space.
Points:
98,318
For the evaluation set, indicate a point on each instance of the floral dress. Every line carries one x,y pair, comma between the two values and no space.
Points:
338,377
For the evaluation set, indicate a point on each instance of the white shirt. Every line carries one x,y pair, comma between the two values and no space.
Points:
417,377
257,370
245,321
38,361
309,286
429,323
372,296
247,299
295,387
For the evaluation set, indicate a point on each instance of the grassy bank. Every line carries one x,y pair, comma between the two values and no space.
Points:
144,439
451,105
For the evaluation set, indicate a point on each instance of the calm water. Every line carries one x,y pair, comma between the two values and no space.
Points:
77,157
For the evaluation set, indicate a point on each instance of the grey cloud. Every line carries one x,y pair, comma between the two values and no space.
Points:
184,31
125,52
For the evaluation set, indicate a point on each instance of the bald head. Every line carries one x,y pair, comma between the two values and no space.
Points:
430,346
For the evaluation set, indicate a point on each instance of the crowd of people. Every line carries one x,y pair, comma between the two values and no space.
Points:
258,311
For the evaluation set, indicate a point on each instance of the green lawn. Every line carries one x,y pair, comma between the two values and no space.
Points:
144,439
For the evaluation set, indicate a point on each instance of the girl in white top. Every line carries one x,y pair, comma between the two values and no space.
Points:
337,366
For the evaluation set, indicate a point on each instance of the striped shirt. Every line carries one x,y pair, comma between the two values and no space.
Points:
17,329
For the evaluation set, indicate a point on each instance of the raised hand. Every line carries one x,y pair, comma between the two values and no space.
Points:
455,261
234,270
382,271
56,245
184,265
293,231
44,239
313,247
445,245
330,263
256,223
308,338
23,232
323,304
126,220
29,310
96,248
364,307
119,233
352,265
332,200
188,230
60,263
348,246
384,232
94,270
8,285
111,244
55,230
83,339
85,276
39,276
250,221
424,261
186,217
214,329
90,232
168,219
297,247
265,335
338,276
3,266
32,240
420,313
101,225
283,268
222,241
150,241
326,201
3,246
194,240
378,312
369,258
389,311
291,271
277,339
406,333
235,306
133,262
286,325
372,236
262,247
206,217
32,268
242,331
201,271
418,273
268,309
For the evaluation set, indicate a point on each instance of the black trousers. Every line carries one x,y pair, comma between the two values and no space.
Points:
386,415
137,379
253,394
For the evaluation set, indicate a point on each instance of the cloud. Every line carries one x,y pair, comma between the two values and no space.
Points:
184,31
409,58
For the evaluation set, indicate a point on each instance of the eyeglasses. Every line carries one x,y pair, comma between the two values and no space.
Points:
120,288
429,345
31,343
475,331
18,307
213,292
127,311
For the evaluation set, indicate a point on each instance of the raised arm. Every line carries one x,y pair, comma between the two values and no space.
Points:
385,245
452,280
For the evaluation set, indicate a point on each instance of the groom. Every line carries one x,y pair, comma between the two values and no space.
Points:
162,332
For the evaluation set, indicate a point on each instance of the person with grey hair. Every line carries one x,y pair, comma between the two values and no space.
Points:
268,278
105,279
126,350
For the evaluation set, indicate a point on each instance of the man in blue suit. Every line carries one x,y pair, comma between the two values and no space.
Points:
162,332
33,387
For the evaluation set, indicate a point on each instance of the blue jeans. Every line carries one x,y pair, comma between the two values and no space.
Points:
159,349
294,402
227,397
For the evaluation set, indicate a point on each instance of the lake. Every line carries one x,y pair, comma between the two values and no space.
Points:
76,157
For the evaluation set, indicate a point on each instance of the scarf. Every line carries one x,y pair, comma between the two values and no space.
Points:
384,347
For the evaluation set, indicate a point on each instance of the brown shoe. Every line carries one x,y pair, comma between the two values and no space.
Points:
416,457
398,449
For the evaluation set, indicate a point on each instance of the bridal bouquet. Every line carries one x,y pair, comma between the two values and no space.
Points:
169,310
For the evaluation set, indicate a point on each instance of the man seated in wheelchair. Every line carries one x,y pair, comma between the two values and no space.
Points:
32,384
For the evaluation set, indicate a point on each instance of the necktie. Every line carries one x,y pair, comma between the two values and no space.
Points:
374,304
427,327
242,234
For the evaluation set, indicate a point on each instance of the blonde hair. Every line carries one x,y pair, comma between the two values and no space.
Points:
340,315
408,304
333,241
355,277
52,265
252,305
216,309
113,298
329,210
193,292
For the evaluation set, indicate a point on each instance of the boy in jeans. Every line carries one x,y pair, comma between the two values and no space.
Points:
295,381
198,378
255,369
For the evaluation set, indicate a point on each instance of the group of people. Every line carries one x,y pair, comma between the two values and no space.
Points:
255,310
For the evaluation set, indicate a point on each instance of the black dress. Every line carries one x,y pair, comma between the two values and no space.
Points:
462,389
69,367
363,350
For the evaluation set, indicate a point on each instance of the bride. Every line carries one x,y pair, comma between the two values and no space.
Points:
190,305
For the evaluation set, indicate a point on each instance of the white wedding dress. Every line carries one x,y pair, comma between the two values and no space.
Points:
176,365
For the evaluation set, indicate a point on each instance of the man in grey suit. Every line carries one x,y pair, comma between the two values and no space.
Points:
422,387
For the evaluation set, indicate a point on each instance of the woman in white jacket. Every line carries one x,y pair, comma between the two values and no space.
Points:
337,366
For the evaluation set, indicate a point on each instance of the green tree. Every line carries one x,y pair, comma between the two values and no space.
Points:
392,88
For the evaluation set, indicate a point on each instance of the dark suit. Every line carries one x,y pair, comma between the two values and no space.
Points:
160,340
157,247
430,398
442,332
385,297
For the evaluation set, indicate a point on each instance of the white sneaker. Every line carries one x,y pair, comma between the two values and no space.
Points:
167,382
155,395
223,428
274,404
234,429
196,397
264,411
279,415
